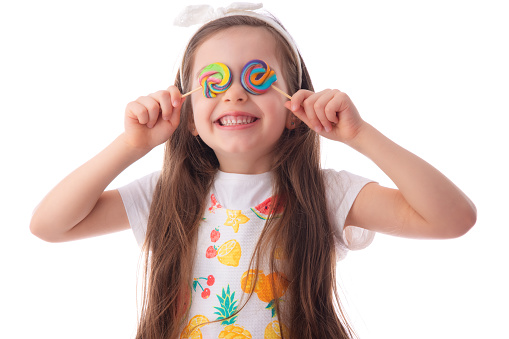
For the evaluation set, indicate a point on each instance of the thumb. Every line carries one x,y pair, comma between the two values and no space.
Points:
175,116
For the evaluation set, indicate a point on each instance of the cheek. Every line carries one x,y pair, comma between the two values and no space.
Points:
202,109
277,105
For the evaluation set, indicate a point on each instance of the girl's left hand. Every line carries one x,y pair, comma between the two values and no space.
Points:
330,113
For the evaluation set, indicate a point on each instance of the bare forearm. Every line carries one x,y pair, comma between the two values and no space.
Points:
76,195
441,204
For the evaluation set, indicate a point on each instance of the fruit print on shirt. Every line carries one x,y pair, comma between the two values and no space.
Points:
233,331
214,204
264,209
215,235
205,291
235,218
226,307
228,254
273,330
263,286
192,330
225,237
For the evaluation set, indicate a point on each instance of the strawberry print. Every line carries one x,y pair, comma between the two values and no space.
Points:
211,252
214,235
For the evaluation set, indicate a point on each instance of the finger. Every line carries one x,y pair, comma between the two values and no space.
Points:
138,112
309,108
153,109
302,106
338,104
175,116
321,105
164,100
176,96
177,100
298,98
331,111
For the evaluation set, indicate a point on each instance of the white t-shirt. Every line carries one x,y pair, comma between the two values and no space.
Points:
228,234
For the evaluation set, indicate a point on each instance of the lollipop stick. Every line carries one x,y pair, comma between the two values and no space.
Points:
277,89
191,92
280,91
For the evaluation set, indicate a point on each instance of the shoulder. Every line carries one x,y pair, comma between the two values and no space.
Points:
137,198
143,187
341,191
343,182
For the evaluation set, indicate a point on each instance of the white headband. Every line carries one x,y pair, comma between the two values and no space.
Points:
202,14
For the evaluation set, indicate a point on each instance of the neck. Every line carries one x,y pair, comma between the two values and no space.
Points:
244,163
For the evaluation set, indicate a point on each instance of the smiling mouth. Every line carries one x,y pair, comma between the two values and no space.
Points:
229,120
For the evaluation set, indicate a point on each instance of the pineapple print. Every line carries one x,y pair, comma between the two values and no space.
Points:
192,330
228,307
235,218
237,332
273,330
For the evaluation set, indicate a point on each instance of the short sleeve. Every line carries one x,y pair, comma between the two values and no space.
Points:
137,198
341,190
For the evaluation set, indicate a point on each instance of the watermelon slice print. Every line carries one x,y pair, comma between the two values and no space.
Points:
264,209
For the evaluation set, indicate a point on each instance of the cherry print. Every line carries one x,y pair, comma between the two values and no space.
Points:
205,291
205,294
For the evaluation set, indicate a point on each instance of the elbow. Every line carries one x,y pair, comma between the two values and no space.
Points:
470,220
36,229
462,224
39,229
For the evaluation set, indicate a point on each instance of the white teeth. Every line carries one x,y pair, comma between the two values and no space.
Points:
233,121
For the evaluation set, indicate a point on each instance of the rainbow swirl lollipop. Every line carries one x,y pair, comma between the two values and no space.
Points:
214,79
257,77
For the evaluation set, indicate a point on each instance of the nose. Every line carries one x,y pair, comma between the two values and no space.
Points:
236,93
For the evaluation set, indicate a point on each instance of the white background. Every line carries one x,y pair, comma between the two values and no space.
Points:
431,75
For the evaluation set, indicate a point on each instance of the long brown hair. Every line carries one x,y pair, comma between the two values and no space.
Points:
304,233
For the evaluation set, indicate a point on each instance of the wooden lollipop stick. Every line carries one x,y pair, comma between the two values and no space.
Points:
191,92
277,89
280,91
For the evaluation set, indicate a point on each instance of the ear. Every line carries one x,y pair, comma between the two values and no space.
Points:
291,121
192,129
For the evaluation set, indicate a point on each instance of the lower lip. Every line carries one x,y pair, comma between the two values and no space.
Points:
236,127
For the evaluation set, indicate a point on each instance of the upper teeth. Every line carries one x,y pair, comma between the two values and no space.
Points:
230,120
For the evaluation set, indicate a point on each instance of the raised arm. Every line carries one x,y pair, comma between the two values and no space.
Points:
426,203
79,207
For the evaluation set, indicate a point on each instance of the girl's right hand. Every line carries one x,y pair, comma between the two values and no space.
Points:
151,120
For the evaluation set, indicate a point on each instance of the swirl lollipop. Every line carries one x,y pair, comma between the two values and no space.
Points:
214,79
257,78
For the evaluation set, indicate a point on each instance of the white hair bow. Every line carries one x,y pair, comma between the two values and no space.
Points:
199,14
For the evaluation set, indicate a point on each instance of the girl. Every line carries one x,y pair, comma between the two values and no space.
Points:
241,229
